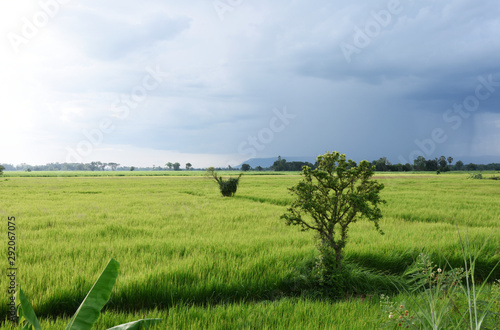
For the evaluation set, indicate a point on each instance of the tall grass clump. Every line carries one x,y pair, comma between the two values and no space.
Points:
227,187
438,298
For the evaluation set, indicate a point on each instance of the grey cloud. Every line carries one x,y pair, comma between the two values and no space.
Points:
111,38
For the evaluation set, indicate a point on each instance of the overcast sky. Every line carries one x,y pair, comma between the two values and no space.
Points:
218,82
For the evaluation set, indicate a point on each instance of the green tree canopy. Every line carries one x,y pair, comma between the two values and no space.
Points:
331,197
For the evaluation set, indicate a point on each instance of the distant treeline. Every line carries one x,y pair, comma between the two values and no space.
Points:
94,166
441,164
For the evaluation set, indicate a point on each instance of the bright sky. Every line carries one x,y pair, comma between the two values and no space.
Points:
217,82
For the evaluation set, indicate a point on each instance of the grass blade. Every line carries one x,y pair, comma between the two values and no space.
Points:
98,296
136,325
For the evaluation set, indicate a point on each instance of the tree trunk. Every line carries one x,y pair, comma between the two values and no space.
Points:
338,257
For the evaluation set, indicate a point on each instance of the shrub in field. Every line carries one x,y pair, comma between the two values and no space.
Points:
477,176
1,169
328,199
88,312
227,187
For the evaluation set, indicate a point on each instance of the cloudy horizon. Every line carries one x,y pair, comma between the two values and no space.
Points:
218,82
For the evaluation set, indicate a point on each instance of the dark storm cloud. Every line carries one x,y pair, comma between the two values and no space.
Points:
368,79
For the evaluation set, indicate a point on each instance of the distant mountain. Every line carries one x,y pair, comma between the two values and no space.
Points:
268,162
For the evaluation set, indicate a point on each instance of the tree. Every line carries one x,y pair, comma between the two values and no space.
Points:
442,162
282,165
176,166
1,169
188,166
279,165
382,164
396,167
296,166
169,165
407,167
419,163
113,166
227,187
245,167
450,160
94,165
259,168
471,167
132,168
431,165
459,165
331,197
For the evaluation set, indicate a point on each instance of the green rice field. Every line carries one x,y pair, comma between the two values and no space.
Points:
198,260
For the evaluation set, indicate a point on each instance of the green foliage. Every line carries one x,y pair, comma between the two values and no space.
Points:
227,187
283,165
419,163
26,312
330,279
331,197
1,169
245,167
382,164
475,176
478,310
320,278
445,299
89,310
471,167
